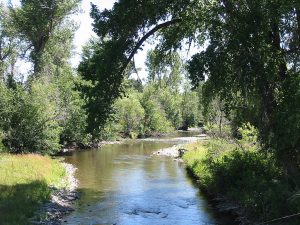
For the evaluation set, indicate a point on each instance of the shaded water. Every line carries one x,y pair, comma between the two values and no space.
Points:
124,184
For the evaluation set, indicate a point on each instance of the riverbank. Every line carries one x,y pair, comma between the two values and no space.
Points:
177,150
239,179
36,187
71,147
242,180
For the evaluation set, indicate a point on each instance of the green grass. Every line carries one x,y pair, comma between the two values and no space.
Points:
24,185
248,177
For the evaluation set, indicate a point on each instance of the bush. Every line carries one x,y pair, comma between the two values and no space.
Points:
32,125
171,103
72,116
247,177
155,120
130,114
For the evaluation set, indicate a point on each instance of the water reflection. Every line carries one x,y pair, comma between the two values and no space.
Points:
124,184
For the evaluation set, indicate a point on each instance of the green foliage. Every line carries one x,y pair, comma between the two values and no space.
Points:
40,119
111,131
155,116
10,45
24,185
249,136
72,116
37,22
130,114
164,70
190,109
247,177
45,111
152,111
250,62
32,124
118,30
171,102
258,77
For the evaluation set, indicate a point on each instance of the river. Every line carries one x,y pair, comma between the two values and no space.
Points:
124,184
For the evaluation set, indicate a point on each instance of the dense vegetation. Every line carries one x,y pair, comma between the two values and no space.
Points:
246,71
44,111
163,104
251,61
243,179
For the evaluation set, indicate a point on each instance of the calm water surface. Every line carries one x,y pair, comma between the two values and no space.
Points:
123,184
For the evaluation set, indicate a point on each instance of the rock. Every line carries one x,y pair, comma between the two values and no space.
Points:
181,152
61,203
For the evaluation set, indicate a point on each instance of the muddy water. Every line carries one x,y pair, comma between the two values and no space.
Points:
124,184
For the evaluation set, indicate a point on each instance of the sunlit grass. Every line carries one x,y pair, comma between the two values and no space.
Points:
24,185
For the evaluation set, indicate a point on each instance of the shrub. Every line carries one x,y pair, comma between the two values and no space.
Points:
248,177
32,125
130,113
72,116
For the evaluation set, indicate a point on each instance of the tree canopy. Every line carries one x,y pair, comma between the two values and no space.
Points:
251,59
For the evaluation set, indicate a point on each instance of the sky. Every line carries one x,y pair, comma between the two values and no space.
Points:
85,32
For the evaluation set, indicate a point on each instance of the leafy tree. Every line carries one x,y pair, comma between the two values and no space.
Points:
155,117
118,30
5,111
130,114
250,66
190,108
251,61
37,21
32,124
10,45
164,70
170,101
72,116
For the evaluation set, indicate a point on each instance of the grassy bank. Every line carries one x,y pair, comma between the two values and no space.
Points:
24,185
245,178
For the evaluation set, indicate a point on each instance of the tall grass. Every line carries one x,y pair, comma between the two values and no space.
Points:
25,182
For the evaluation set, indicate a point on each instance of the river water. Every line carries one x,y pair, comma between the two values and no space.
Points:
124,184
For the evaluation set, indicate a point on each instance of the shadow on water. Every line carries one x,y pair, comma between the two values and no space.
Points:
211,204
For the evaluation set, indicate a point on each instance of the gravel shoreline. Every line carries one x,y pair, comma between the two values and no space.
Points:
177,150
61,202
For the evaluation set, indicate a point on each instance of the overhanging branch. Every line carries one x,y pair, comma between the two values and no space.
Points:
145,37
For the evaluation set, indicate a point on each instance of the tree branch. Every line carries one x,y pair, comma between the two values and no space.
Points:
145,37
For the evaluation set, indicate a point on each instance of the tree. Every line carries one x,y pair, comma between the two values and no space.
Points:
71,114
10,45
170,101
190,108
37,21
130,114
32,125
119,33
251,66
165,70
251,61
